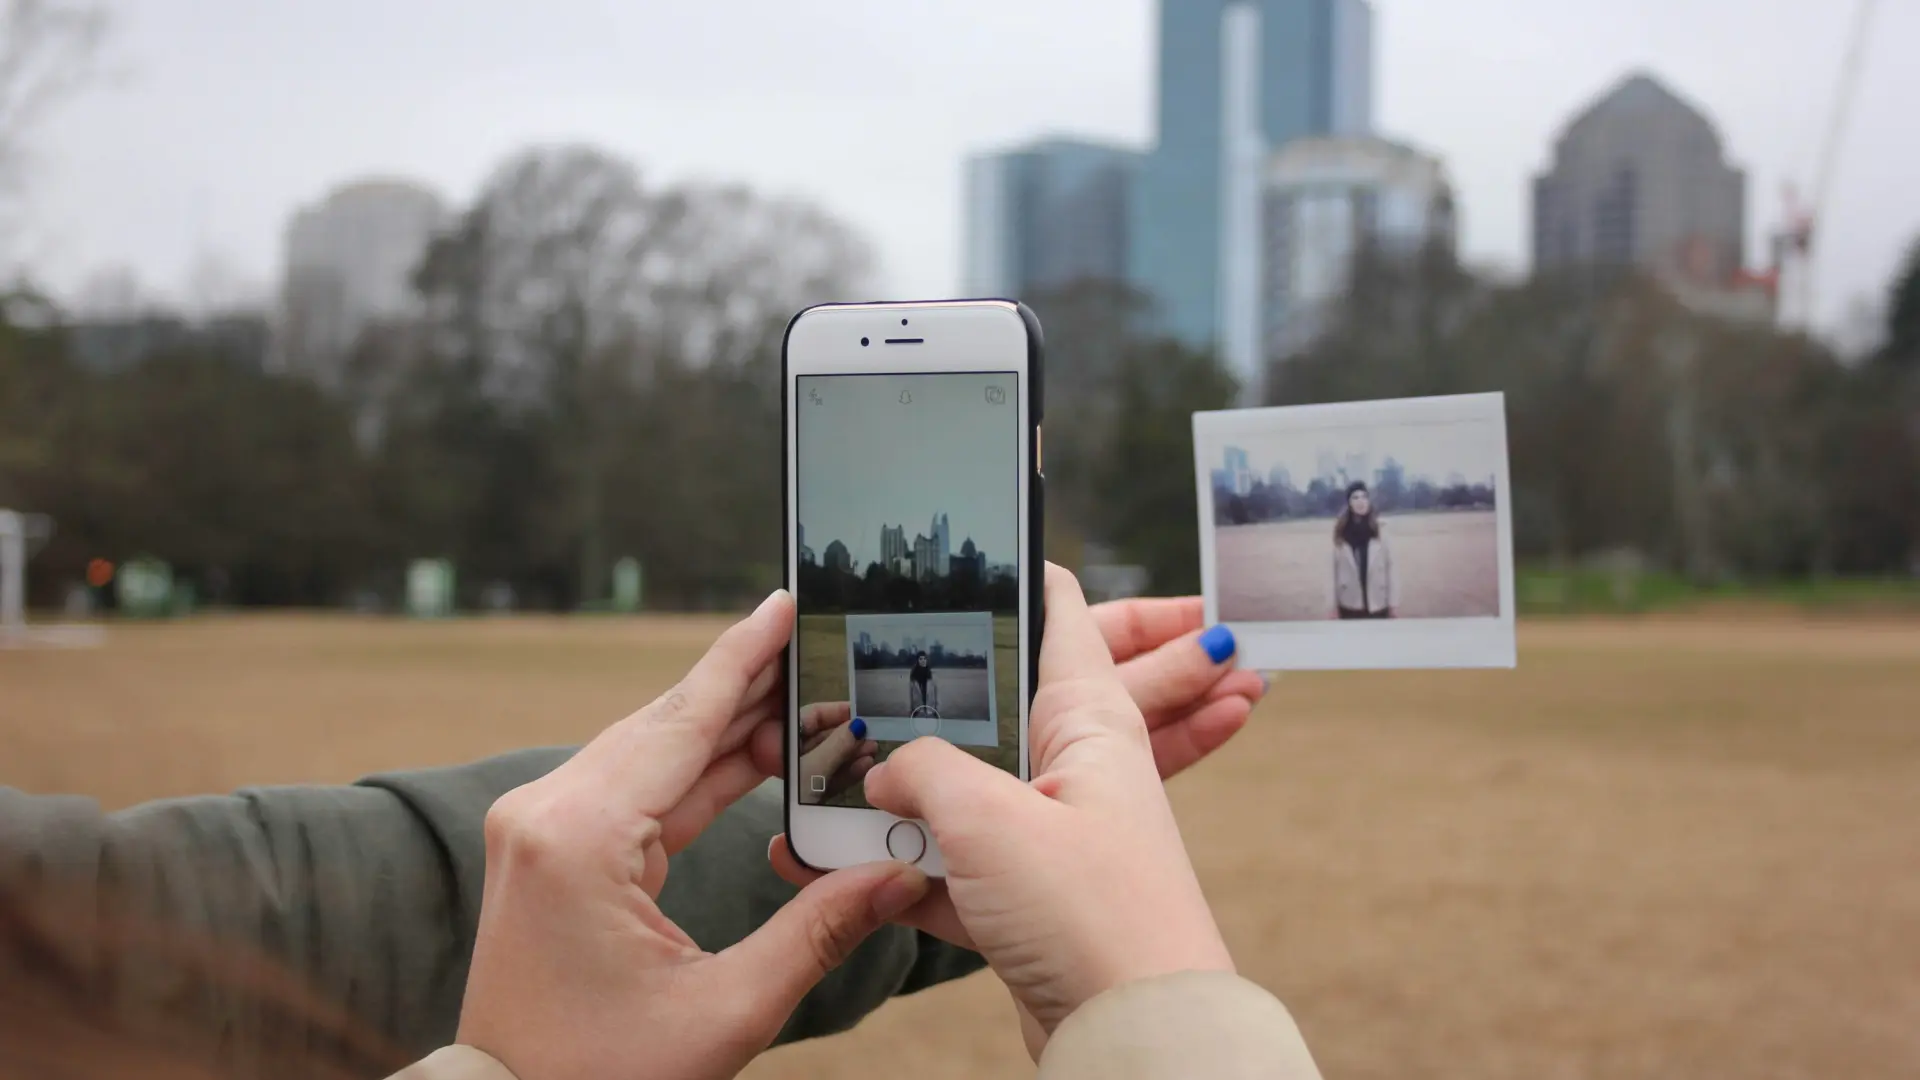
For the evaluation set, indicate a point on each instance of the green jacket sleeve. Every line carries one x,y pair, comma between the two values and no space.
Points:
368,896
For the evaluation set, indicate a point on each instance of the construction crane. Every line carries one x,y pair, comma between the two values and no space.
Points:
1792,271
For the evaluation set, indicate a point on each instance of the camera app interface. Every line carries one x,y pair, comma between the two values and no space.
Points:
908,505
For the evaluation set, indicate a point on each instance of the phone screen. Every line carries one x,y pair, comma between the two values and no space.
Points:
907,506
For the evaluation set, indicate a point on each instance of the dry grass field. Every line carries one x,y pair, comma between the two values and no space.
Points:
1448,567
1684,847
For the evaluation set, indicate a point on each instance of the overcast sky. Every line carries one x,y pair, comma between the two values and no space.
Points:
232,112
1428,450
867,460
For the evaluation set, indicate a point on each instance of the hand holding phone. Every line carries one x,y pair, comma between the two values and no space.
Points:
913,547
576,971
1078,882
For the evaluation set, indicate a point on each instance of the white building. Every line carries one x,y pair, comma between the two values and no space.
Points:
350,260
1323,200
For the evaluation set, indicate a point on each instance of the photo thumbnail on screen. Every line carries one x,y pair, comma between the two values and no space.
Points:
907,492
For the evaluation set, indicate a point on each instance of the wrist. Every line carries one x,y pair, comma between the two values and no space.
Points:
1200,949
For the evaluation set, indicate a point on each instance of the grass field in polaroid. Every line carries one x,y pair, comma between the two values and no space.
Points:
1369,534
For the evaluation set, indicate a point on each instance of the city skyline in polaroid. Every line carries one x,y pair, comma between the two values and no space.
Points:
1359,535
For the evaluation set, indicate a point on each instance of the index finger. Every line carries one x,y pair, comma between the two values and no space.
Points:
1071,647
822,715
646,762
1132,627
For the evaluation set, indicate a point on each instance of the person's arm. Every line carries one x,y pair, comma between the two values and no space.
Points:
1210,1024
368,895
1193,1023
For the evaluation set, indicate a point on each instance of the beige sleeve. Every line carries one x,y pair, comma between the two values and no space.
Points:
455,1063
1393,572
1333,583
1192,1024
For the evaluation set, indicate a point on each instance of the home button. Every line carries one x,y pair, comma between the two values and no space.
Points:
906,842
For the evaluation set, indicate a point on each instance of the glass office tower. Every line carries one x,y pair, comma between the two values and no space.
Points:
1238,78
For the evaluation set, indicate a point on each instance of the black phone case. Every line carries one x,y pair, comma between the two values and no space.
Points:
1036,516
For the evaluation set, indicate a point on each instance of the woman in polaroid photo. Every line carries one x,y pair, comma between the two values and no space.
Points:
1365,585
923,692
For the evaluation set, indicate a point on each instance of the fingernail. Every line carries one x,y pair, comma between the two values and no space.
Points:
900,892
1266,684
772,599
1218,642
859,727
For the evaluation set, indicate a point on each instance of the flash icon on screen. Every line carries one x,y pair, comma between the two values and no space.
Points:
996,396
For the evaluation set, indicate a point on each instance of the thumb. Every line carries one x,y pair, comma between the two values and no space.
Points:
951,790
814,933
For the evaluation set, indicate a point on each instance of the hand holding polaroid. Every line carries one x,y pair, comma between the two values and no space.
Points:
1359,535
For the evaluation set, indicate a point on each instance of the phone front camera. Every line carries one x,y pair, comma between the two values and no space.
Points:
863,341
903,322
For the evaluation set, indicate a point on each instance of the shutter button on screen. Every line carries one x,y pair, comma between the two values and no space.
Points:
906,842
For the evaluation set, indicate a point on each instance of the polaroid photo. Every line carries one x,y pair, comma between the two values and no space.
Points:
924,674
1373,534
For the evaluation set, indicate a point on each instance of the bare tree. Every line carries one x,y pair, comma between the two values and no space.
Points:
48,51
570,289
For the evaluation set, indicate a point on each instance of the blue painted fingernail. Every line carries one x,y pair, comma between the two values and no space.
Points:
859,728
1218,642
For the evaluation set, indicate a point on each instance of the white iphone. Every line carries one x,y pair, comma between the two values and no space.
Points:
913,549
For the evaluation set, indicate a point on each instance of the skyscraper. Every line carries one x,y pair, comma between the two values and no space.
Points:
1239,476
970,564
837,557
350,261
893,546
942,545
1640,180
1047,213
1237,78
927,563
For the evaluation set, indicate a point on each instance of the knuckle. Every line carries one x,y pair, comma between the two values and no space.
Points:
672,707
522,828
503,819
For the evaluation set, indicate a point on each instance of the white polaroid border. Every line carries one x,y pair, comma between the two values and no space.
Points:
967,732
1472,642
